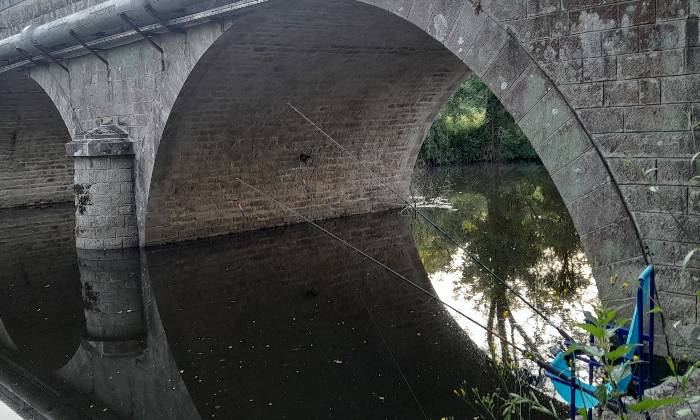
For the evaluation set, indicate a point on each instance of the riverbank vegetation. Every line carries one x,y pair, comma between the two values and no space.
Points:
473,127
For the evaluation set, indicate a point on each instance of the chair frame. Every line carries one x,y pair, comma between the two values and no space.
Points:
643,375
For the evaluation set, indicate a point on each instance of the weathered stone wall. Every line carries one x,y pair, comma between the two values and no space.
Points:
631,71
104,201
618,87
372,85
34,168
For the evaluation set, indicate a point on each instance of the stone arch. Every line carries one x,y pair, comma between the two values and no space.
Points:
374,78
34,168
40,308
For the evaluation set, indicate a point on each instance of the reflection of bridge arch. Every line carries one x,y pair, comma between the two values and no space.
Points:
123,361
71,355
305,296
40,303
282,323
374,80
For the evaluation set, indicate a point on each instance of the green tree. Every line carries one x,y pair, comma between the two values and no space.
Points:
474,126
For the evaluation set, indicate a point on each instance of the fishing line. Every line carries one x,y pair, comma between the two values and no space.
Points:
539,361
335,374
434,225
393,358
374,260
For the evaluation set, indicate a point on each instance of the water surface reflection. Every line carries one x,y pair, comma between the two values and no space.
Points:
282,323
288,323
512,218
285,323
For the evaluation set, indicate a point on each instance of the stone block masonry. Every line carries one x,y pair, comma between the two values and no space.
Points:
629,70
34,169
104,189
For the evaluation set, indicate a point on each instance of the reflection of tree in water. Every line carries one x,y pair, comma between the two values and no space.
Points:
512,218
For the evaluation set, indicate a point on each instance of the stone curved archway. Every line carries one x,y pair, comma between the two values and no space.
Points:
37,237
34,168
373,78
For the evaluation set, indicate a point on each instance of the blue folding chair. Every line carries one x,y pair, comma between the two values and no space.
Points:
579,394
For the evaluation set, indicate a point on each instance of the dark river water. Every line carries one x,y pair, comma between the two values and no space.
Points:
287,322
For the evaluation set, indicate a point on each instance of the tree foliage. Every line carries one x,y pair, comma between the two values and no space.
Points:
474,126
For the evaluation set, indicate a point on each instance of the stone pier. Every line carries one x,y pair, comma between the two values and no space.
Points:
104,188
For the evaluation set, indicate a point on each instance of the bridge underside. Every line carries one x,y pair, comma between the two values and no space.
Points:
34,169
371,80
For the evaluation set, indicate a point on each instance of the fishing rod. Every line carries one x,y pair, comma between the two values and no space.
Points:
435,226
539,361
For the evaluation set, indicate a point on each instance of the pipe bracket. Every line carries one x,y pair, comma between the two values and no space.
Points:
135,27
162,21
87,47
46,54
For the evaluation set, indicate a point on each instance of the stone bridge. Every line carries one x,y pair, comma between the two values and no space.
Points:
165,104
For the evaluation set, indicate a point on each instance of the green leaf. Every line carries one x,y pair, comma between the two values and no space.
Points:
685,379
589,350
684,412
651,404
694,399
619,352
656,310
596,332
545,410
606,315
601,393
671,363
619,320
620,371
